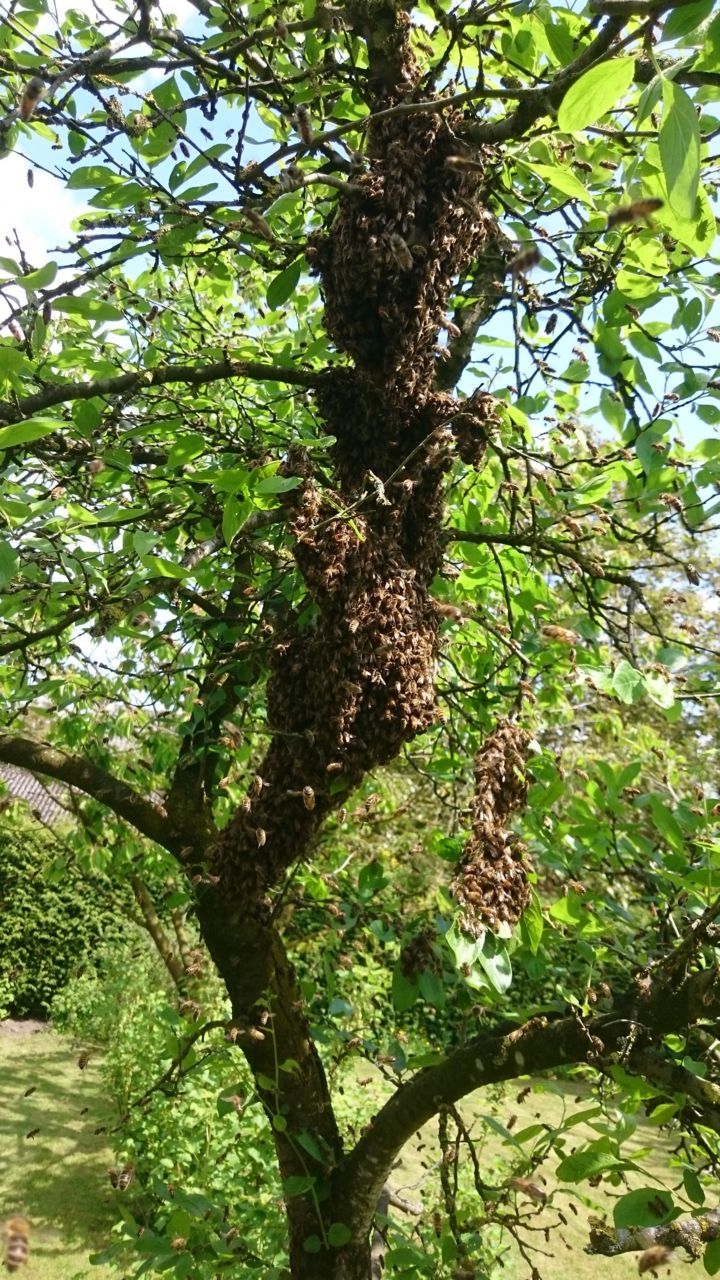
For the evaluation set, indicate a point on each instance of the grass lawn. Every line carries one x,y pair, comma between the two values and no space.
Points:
560,1256
57,1179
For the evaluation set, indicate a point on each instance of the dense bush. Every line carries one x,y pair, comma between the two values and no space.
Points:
51,919
203,1175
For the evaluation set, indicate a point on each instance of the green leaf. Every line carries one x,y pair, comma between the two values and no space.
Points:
563,180
87,306
432,989
711,1257
91,176
465,949
685,19
164,568
309,1143
338,1234
595,93
679,141
312,1244
39,279
186,449
666,824
659,690
297,1185
627,682
279,1124
281,287
235,514
645,1207
581,1165
693,1187
494,961
532,922
8,563
31,429
277,484
404,990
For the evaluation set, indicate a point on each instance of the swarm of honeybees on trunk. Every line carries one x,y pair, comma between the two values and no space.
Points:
357,683
490,881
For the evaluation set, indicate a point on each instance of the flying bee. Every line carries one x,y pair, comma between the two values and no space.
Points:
308,796
525,260
528,1188
400,252
32,94
304,125
638,211
121,1178
656,1256
17,1243
464,162
83,1059
258,223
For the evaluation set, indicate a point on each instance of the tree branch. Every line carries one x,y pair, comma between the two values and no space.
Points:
40,757
153,924
654,1008
686,1233
543,100
191,375
554,546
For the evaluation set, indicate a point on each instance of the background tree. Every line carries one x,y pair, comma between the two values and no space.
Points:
296,476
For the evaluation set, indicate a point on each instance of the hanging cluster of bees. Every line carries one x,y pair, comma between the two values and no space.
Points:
490,880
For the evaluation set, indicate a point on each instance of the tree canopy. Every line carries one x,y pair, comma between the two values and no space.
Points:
359,464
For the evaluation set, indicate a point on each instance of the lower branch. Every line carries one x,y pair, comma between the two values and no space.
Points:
654,1008
687,1233
40,757
153,924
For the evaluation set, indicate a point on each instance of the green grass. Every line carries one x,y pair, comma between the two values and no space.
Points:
562,1255
58,1179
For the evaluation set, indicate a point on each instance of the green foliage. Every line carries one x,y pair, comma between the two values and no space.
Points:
203,1182
52,918
165,411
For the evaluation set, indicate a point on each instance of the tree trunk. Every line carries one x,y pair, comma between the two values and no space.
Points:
352,1262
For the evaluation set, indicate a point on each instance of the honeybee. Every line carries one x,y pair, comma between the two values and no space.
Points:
400,252
464,162
121,1178
528,257
17,1242
304,127
33,93
656,1256
638,211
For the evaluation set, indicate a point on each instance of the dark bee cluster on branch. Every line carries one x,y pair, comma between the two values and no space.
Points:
490,881
350,690
388,263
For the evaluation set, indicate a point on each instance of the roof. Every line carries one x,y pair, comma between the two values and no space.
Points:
43,799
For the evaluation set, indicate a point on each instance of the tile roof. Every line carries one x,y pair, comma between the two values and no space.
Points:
43,799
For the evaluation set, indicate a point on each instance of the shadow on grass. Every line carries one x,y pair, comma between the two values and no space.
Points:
57,1177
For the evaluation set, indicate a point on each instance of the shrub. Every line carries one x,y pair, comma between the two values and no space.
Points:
51,920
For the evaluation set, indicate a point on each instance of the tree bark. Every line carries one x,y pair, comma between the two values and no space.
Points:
153,924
